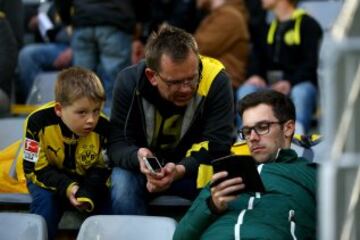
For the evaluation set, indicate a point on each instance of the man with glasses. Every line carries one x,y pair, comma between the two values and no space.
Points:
287,207
177,106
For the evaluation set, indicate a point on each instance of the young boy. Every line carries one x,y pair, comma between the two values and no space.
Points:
63,153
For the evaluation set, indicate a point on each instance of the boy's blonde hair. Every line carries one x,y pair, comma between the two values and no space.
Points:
76,82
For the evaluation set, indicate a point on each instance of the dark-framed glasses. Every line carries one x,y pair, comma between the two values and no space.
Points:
260,128
176,84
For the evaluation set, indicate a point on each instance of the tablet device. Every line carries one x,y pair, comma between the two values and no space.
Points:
239,166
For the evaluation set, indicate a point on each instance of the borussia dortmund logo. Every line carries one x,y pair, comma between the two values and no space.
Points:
87,154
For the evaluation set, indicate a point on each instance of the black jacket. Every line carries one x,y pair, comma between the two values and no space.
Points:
297,60
210,123
120,13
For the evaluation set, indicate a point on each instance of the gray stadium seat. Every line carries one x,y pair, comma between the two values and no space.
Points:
127,227
325,12
11,130
19,226
42,90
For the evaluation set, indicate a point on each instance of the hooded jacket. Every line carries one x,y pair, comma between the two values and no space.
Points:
206,127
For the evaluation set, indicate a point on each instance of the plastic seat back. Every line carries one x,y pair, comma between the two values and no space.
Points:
42,90
18,226
127,227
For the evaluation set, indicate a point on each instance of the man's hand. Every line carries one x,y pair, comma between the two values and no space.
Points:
64,59
282,86
161,181
256,81
141,154
221,193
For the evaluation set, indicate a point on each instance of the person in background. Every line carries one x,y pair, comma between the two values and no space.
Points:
287,208
102,35
53,54
176,106
11,34
231,44
65,140
290,64
178,13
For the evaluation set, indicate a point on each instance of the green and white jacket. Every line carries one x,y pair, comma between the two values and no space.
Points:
287,209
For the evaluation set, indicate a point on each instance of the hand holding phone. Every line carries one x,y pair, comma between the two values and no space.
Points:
153,164
239,166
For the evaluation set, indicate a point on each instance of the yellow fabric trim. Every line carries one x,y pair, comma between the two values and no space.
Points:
211,68
204,175
291,37
205,172
32,177
9,184
240,148
22,109
271,32
68,189
87,200
196,147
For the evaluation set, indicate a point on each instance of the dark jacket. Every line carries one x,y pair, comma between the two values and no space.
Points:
206,129
287,209
292,47
55,157
86,13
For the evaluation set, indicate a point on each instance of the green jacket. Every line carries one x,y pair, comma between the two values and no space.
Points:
287,210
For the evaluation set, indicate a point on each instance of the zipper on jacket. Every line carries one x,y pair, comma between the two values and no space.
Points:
291,219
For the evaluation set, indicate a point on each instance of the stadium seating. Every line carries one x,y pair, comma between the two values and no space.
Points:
22,226
127,227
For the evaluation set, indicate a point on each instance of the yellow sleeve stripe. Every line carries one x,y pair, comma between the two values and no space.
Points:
196,147
86,200
33,179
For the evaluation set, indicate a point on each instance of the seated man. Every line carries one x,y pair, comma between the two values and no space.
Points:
287,60
177,106
287,208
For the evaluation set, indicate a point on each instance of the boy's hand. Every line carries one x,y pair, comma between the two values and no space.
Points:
71,195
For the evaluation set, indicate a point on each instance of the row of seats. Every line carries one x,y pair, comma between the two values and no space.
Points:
106,227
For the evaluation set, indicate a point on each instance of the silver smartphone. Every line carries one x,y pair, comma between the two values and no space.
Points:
153,164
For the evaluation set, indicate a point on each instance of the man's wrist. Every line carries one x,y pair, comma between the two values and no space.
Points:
212,207
180,171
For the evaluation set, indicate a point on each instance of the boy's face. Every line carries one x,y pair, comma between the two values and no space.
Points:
81,116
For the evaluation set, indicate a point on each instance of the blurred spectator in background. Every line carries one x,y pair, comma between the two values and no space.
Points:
54,53
223,34
179,13
102,34
11,34
257,26
290,65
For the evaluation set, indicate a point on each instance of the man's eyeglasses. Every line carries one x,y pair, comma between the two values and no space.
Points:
176,84
260,128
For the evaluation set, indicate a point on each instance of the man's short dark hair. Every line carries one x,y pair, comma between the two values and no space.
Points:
282,106
293,2
169,40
